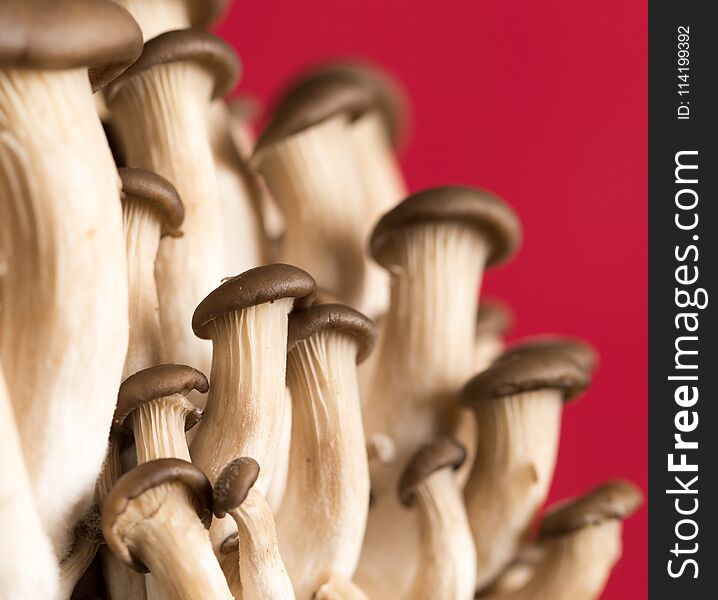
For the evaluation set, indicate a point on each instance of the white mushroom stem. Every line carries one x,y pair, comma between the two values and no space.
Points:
63,333
314,178
157,16
278,484
159,428
328,484
574,566
261,568
161,117
339,589
244,243
246,399
425,355
515,460
28,568
447,559
73,566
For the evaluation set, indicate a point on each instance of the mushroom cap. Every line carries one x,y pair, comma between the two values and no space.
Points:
581,351
256,286
156,382
613,500
183,45
493,317
155,190
69,34
442,452
321,317
474,207
233,484
142,478
532,369
350,87
204,13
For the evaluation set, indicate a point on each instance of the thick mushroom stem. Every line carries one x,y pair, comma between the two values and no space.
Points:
447,561
327,489
518,405
156,519
159,108
29,567
581,542
245,246
261,570
435,245
63,327
246,319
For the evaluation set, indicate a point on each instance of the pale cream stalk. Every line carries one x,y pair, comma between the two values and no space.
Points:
63,335
157,16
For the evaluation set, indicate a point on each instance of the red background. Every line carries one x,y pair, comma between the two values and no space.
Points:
544,103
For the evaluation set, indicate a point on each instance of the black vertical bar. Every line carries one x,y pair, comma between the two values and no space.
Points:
683,269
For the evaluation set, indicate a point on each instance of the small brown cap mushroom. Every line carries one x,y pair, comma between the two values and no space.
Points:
493,318
69,34
533,369
256,286
204,13
183,45
305,323
442,452
155,190
142,478
615,500
156,382
233,484
347,87
583,353
471,206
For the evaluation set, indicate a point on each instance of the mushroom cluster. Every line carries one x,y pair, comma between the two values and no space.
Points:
259,369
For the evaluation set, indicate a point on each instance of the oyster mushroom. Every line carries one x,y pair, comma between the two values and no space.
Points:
447,562
159,16
63,327
581,542
29,567
159,109
327,490
156,519
375,129
518,404
435,245
261,571
580,351
246,319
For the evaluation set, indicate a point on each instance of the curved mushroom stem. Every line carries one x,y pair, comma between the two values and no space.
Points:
261,570
338,588
244,243
446,568
246,400
577,558
313,176
29,567
160,113
63,334
151,519
328,482
74,565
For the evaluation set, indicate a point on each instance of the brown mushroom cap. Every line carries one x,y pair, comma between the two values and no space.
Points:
183,45
204,13
473,207
233,484
142,478
349,88
256,286
493,317
533,369
69,34
613,500
155,190
583,353
156,382
442,452
305,323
